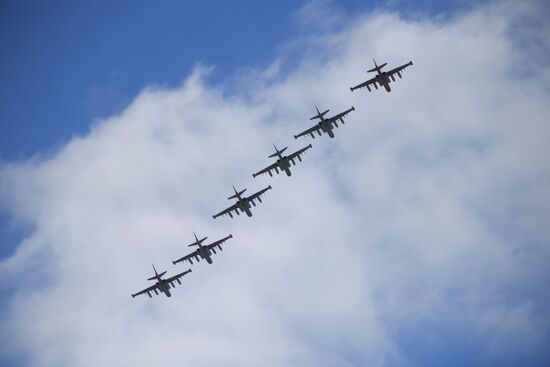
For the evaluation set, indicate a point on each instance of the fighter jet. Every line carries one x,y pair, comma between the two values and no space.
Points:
243,203
325,124
204,252
283,162
382,77
162,285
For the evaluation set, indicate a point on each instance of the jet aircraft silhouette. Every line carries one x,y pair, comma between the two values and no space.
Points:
162,285
204,252
243,203
325,125
382,77
283,162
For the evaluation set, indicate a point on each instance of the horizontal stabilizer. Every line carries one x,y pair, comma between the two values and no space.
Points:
377,67
197,241
157,276
237,194
319,115
277,152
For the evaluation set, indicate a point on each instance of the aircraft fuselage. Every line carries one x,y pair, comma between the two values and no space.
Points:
165,288
284,165
327,127
244,205
205,254
384,81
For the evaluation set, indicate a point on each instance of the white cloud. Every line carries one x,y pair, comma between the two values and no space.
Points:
429,204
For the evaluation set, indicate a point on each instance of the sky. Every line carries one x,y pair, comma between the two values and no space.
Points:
416,237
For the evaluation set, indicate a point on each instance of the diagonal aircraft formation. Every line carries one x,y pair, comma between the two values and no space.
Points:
283,163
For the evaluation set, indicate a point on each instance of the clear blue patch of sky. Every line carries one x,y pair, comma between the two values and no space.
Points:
435,345
428,344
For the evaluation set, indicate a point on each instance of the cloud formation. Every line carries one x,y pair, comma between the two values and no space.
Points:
424,217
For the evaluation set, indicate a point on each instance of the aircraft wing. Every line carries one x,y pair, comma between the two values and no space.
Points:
258,194
398,70
366,84
146,290
268,169
310,131
333,120
298,153
227,211
177,277
218,243
194,254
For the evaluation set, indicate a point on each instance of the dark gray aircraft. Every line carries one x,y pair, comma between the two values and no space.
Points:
243,203
283,162
382,78
325,124
204,252
162,285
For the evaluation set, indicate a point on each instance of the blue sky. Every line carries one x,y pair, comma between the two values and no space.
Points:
67,65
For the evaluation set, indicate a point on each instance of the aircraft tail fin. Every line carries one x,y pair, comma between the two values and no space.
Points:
237,194
319,115
277,152
376,67
197,241
157,275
